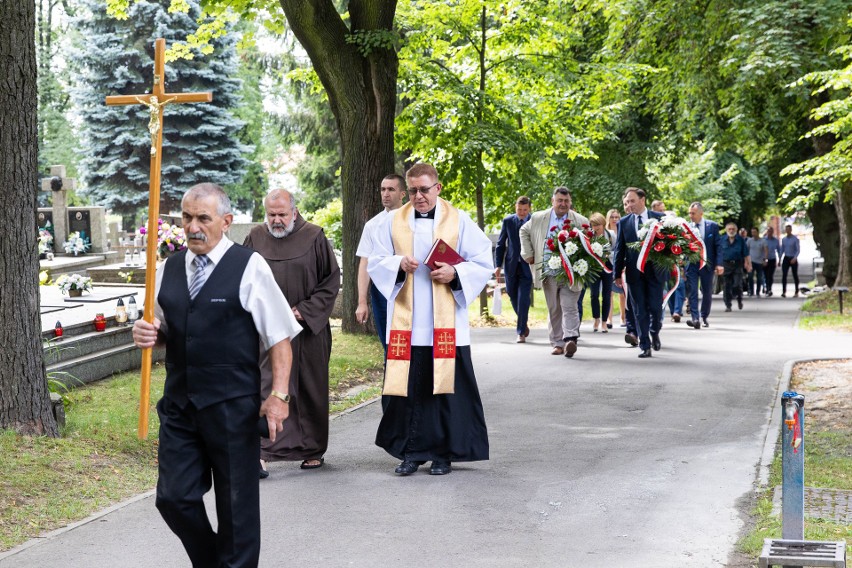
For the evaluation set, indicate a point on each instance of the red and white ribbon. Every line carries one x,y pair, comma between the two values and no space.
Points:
702,249
648,244
587,246
566,264
676,273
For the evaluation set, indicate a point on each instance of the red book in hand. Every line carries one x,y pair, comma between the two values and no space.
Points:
442,252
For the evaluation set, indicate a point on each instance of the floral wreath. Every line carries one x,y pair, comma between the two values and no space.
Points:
574,256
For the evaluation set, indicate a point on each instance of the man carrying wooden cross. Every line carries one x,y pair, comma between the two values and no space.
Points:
432,407
215,304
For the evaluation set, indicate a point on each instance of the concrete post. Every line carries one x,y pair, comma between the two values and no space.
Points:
793,467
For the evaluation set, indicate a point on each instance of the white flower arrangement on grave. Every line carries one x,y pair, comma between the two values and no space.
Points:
69,282
45,241
75,244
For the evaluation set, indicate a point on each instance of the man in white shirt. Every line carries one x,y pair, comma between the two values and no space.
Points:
216,304
393,190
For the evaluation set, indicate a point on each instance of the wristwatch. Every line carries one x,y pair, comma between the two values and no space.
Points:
283,397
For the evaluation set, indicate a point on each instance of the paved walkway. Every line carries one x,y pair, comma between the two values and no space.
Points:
602,460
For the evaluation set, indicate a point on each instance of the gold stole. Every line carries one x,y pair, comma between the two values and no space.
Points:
443,304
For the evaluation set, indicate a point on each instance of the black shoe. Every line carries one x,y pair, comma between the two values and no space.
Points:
609,326
694,324
407,467
631,340
705,323
570,349
645,354
740,303
727,308
655,341
263,473
440,467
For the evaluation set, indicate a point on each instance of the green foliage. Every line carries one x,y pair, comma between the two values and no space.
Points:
369,40
821,176
330,218
199,140
502,98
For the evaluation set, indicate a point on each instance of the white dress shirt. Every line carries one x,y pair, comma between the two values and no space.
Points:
367,242
259,295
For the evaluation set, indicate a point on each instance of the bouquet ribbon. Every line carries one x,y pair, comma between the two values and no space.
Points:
647,244
587,245
701,246
676,275
566,264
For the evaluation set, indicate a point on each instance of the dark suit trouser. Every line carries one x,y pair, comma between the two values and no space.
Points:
646,297
704,276
380,314
220,441
785,267
769,273
518,286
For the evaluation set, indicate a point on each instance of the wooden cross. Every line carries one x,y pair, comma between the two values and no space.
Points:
155,101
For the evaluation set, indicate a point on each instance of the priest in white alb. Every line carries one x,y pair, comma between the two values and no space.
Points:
433,411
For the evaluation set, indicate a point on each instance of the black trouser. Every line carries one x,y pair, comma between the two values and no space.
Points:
769,273
733,281
786,265
219,441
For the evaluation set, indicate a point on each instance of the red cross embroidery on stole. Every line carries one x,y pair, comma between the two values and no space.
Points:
444,341
399,346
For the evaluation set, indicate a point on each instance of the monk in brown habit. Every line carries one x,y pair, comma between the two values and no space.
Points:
304,266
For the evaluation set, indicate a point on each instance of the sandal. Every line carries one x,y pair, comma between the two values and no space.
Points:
306,465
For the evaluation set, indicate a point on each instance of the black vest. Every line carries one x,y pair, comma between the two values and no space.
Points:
212,345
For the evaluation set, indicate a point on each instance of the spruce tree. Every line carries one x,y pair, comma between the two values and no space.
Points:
200,140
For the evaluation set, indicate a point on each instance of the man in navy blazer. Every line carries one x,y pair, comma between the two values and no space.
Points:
644,289
516,270
708,231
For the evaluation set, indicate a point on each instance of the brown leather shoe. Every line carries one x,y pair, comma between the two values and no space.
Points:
557,351
631,340
676,318
521,339
570,349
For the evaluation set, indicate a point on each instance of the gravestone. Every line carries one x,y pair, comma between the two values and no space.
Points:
58,186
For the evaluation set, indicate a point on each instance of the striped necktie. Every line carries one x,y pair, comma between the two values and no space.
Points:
199,276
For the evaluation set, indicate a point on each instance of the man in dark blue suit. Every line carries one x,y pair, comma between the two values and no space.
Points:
516,271
644,289
708,231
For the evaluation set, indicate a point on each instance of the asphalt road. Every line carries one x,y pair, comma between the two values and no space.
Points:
599,460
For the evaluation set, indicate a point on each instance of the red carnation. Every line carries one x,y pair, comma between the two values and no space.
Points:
573,233
553,228
660,247
586,226
562,236
550,244
675,249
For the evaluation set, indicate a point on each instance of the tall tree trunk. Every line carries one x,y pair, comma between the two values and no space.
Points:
823,217
24,397
843,206
361,88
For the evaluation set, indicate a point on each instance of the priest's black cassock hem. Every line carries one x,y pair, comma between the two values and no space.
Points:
426,427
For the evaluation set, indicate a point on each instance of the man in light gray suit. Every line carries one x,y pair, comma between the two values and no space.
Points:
564,321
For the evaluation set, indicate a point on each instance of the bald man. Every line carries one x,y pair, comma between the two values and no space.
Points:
305,269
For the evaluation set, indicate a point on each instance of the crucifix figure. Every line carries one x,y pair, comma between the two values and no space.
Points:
155,127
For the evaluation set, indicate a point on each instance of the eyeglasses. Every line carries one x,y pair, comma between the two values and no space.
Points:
412,191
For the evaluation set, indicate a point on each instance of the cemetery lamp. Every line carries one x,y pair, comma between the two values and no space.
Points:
100,322
57,329
132,310
120,312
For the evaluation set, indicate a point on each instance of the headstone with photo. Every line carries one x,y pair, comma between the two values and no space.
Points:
58,186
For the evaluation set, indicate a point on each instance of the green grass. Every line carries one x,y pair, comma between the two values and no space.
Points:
537,315
822,311
47,483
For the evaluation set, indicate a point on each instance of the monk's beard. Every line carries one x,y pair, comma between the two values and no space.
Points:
280,230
